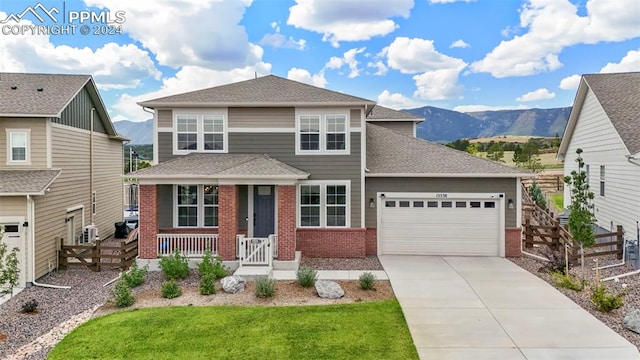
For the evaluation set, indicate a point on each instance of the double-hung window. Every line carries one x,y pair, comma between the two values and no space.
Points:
322,134
196,206
17,147
323,204
200,132
601,180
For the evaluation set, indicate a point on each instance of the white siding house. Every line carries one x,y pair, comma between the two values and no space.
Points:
605,124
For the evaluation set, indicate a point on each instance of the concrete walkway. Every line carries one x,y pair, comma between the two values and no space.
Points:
489,308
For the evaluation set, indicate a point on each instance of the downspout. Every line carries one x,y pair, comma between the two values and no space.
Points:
32,233
91,164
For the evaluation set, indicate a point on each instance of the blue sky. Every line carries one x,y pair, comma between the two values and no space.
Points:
456,54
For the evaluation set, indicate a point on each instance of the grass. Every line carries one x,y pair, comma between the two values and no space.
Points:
375,330
557,200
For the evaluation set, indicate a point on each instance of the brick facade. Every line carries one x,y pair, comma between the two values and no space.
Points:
371,239
147,221
512,242
348,243
286,204
227,221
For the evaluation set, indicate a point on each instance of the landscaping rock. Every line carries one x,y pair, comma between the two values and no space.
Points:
631,320
233,284
329,289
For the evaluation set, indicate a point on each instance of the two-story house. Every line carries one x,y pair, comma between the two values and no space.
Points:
313,171
60,166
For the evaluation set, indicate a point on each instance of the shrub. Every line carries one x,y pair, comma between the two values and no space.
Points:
122,295
556,261
30,306
265,287
171,289
306,276
537,195
367,281
135,276
567,281
605,302
211,265
175,266
207,284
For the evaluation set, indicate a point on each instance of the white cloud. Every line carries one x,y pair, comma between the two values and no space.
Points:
349,59
570,82
348,20
553,25
539,94
439,84
278,40
397,101
476,108
188,78
189,32
459,44
305,76
448,1
381,68
629,63
113,66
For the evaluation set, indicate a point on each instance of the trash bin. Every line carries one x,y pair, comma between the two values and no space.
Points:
122,230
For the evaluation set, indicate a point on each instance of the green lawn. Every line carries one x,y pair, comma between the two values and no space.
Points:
375,330
558,201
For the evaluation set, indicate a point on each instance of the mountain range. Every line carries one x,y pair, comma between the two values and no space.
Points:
440,125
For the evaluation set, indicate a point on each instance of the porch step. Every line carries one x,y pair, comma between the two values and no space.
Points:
251,272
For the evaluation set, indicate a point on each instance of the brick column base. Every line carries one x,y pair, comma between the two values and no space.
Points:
227,221
148,222
371,239
512,242
286,204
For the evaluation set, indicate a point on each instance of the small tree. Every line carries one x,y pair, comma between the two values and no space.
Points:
517,155
472,149
537,195
9,270
496,152
581,216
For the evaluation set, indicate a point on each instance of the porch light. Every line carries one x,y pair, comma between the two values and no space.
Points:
372,203
510,203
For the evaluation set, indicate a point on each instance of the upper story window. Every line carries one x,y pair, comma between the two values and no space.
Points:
200,133
18,147
322,134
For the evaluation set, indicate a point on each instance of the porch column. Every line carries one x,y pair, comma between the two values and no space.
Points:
227,221
286,222
147,221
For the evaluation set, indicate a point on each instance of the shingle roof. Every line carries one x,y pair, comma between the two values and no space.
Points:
619,95
25,99
394,154
22,182
263,91
384,113
222,166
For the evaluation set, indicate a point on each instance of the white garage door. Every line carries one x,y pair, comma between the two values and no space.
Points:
415,225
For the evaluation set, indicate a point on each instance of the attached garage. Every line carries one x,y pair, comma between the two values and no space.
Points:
441,224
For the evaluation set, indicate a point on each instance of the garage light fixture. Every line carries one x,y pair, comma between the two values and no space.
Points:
372,203
510,203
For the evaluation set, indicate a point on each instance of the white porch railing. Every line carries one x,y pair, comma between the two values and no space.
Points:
190,245
256,251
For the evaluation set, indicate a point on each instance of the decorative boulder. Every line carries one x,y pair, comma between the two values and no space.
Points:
631,320
233,284
329,289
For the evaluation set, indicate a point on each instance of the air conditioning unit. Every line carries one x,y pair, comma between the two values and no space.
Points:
90,233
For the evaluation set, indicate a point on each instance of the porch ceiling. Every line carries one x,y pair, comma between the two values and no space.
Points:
221,166
26,182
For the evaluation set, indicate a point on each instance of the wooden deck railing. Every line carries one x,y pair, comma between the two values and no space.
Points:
190,245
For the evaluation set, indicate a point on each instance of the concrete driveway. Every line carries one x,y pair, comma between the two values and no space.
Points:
489,308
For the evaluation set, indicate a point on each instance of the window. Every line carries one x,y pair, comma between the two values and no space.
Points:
322,134
447,204
474,204
432,204
489,204
196,206
200,132
18,146
404,203
417,204
461,204
93,203
324,205
601,180
389,203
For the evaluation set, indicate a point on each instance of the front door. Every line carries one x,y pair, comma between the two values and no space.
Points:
263,210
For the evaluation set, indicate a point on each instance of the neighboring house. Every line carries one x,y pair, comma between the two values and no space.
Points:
323,172
605,124
59,170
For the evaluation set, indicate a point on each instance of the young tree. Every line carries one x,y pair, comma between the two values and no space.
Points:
9,270
517,155
581,216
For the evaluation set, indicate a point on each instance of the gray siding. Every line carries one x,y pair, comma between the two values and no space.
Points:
262,117
37,141
355,117
243,209
403,127
165,146
78,114
461,185
165,118
165,206
281,146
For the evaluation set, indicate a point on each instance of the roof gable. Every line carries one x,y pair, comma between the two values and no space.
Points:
381,113
262,91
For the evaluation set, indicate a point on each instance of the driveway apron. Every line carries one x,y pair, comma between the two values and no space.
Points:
489,308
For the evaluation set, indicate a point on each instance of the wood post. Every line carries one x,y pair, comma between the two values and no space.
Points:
528,234
95,258
555,236
620,242
62,259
